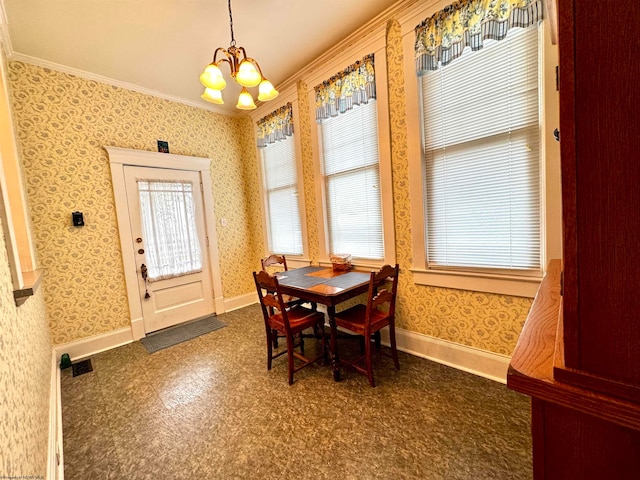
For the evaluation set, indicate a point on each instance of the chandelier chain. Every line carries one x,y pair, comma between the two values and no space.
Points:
233,40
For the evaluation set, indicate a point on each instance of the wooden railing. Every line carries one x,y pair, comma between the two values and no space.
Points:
540,350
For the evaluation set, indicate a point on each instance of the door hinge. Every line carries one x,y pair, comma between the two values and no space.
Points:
557,79
207,240
201,187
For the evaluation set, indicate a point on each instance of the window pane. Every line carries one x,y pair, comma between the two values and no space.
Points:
167,212
482,160
283,212
355,224
351,169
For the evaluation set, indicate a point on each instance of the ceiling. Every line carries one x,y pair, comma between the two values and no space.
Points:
163,45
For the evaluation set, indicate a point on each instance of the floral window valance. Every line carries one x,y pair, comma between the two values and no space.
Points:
276,126
353,86
441,38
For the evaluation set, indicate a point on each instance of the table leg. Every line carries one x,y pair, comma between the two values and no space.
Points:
333,343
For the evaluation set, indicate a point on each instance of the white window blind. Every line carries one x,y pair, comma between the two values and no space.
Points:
352,182
280,176
482,158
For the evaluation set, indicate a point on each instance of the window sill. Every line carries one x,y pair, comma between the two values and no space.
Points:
297,262
357,264
478,282
31,283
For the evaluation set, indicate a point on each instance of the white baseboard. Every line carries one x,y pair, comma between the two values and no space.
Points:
55,465
85,347
468,359
245,300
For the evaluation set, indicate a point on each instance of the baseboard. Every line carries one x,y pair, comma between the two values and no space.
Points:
55,465
468,359
245,300
85,347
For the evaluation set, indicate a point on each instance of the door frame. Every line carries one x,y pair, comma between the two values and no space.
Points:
118,159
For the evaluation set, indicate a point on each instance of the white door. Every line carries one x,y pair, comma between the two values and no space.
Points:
168,237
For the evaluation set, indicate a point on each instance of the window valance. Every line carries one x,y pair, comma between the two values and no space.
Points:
441,38
353,86
276,126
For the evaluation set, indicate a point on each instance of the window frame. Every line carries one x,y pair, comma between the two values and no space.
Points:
269,230
293,261
376,44
472,279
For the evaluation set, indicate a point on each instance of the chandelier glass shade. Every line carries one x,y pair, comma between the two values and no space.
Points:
244,70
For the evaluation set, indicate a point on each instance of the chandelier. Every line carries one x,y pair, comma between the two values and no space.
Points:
244,70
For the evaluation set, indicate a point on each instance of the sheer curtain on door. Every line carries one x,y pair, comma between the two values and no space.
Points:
171,241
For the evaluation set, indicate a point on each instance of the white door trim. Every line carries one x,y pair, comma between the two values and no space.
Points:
118,158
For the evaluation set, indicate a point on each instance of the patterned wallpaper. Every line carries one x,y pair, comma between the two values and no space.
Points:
307,170
25,372
63,122
254,212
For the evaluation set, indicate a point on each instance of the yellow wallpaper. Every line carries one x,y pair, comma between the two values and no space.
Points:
252,181
25,369
308,175
63,122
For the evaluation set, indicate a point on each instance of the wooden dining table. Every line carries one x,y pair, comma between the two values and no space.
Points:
329,287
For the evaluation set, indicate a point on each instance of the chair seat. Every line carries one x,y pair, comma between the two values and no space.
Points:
354,319
300,318
367,320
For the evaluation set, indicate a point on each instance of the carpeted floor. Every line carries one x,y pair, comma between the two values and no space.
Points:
209,409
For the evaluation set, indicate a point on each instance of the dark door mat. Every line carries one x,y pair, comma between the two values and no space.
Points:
82,367
180,333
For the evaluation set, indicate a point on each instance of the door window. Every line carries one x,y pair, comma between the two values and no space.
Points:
169,228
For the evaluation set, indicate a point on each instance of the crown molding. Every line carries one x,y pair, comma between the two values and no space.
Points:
376,25
110,81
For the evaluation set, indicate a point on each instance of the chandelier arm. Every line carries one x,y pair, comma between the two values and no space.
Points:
255,64
220,49
244,54
228,61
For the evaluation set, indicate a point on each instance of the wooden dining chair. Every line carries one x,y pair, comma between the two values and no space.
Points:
290,322
369,319
274,260
272,264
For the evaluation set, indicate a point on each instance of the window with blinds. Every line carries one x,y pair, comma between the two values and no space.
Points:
352,182
280,178
482,158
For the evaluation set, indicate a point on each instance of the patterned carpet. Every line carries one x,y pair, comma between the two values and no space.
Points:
209,409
